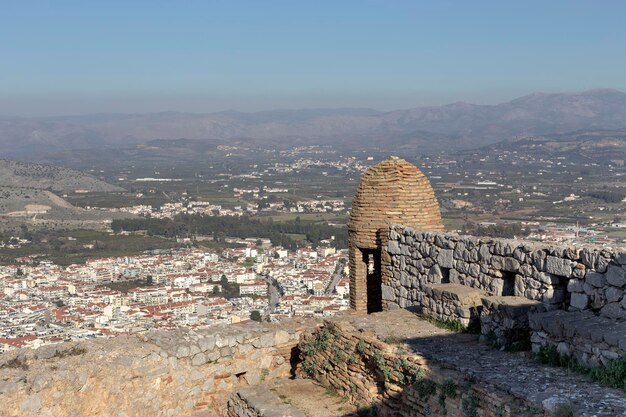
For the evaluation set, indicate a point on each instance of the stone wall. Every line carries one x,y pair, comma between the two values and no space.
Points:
558,277
592,340
394,381
161,373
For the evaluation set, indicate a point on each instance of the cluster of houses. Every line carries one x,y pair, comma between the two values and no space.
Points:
43,303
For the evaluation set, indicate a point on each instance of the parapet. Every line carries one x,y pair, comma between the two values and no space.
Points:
160,373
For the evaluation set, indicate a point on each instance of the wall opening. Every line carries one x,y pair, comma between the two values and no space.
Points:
508,289
445,275
561,296
371,258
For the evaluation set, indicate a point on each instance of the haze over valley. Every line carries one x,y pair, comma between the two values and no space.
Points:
450,127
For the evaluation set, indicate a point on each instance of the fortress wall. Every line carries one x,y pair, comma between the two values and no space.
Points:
385,376
159,373
558,277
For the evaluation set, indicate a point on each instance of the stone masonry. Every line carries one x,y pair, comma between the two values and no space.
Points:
393,191
161,373
401,365
496,283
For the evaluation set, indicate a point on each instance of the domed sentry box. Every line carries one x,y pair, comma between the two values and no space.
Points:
391,192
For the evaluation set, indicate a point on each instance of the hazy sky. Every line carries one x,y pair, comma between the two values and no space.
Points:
71,57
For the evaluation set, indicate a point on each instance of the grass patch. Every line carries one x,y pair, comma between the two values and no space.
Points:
453,325
15,363
612,375
74,351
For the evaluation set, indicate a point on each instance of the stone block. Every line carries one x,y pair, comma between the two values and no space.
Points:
281,337
616,275
198,359
558,266
393,248
595,279
613,311
445,258
388,293
182,351
602,263
206,343
497,262
589,257
483,253
613,294
579,301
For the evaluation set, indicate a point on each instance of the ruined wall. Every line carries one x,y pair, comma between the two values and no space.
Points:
392,380
161,373
559,277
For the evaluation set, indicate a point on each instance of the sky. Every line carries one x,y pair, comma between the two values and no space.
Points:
62,57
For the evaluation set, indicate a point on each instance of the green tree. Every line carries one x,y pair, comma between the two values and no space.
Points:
256,315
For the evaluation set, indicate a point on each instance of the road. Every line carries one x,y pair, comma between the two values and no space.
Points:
274,295
335,278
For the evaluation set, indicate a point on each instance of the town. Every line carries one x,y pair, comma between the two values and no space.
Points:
45,303
264,237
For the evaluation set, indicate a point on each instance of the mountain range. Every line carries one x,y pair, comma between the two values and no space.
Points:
453,126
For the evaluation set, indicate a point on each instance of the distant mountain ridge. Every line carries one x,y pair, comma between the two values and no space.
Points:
453,126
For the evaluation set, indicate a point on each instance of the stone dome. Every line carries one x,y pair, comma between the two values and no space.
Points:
392,191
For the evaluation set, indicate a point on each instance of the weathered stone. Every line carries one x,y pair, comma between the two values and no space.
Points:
511,264
206,343
46,352
558,266
182,352
595,279
616,276
602,263
579,301
388,293
393,247
613,310
613,294
483,253
497,262
281,337
198,359
589,257
32,404
445,258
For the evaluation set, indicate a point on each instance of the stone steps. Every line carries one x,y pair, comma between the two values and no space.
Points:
288,398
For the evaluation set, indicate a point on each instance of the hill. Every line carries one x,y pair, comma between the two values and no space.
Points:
599,146
453,126
49,177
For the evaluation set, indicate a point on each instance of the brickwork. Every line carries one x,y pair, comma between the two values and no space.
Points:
393,191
